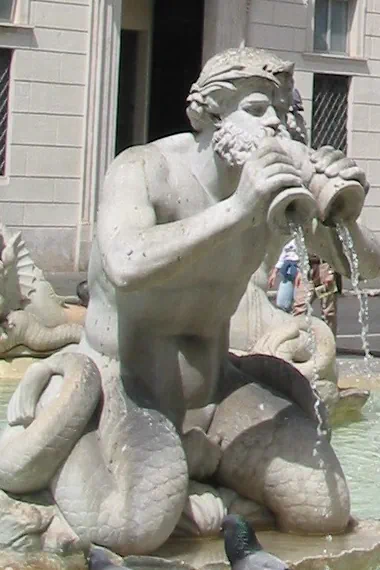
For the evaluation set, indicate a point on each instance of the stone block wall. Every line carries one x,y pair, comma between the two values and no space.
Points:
41,191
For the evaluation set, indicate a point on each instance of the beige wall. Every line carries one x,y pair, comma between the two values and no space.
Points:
60,140
41,191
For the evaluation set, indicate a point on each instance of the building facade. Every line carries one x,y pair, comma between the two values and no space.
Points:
80,80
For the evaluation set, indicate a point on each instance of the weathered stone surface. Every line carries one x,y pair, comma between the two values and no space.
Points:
75,314
358,549
22,523
41,561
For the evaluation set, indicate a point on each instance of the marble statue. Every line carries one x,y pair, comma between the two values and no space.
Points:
122,428
33,319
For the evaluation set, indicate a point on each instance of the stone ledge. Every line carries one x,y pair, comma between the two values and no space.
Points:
359,549
16,36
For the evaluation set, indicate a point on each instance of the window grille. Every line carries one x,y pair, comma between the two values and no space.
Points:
5,65
330,105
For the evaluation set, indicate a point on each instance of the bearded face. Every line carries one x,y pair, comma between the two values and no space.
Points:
235,145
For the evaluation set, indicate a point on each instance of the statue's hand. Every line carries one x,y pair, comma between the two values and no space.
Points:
268,171
332,162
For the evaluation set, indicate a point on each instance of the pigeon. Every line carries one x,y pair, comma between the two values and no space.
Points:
243,549
99,560
83,293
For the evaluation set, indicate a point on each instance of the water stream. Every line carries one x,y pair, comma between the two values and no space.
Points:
304,267
353,260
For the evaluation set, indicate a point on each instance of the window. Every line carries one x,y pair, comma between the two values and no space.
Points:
331,26
7,9
5,64
329,116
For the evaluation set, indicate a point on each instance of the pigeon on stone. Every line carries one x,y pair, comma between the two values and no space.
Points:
243,549
99,560
83,293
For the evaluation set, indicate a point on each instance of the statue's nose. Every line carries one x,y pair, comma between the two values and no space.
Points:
271,118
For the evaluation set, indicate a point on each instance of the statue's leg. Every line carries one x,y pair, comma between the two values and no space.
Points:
302,294
329,302
124,484
273,453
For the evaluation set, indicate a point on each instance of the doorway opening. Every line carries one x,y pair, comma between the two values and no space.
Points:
175,64
160,57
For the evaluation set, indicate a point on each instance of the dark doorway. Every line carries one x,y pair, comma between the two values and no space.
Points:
127,89
176,63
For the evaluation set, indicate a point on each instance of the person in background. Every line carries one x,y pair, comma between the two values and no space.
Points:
321,284
287,267
322,281
295,121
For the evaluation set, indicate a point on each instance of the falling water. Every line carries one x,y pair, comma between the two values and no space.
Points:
353,260
304,266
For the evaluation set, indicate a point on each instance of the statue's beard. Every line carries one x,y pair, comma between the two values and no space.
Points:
234,145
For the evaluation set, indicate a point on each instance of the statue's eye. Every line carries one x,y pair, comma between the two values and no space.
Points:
256,109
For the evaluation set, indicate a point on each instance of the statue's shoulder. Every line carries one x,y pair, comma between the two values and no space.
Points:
159,153
175,144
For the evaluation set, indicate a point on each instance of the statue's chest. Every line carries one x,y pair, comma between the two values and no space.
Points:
231,257
227,265
180,203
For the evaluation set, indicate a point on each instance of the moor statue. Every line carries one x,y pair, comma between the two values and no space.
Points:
151,397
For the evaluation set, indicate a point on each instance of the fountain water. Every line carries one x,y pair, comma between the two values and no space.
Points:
349,250
304,266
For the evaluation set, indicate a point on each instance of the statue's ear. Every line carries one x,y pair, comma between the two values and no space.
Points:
202,115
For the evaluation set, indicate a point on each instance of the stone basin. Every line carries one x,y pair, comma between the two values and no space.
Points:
10,560
356,441
359,549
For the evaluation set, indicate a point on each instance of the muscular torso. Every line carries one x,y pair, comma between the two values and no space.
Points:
172,339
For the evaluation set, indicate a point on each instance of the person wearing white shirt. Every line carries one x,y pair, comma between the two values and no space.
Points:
287,267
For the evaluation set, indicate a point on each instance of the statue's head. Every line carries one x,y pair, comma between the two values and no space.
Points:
242,95
227,73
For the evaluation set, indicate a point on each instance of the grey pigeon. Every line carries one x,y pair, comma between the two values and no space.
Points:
243,549
83,293
99,560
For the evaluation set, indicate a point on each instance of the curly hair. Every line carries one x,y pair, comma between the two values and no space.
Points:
221,73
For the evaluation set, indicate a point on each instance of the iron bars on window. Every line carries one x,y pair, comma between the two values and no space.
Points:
5,66
330,104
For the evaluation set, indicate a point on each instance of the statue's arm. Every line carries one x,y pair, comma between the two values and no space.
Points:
325,242
139,252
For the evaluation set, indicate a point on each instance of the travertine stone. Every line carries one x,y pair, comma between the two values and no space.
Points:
182,227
